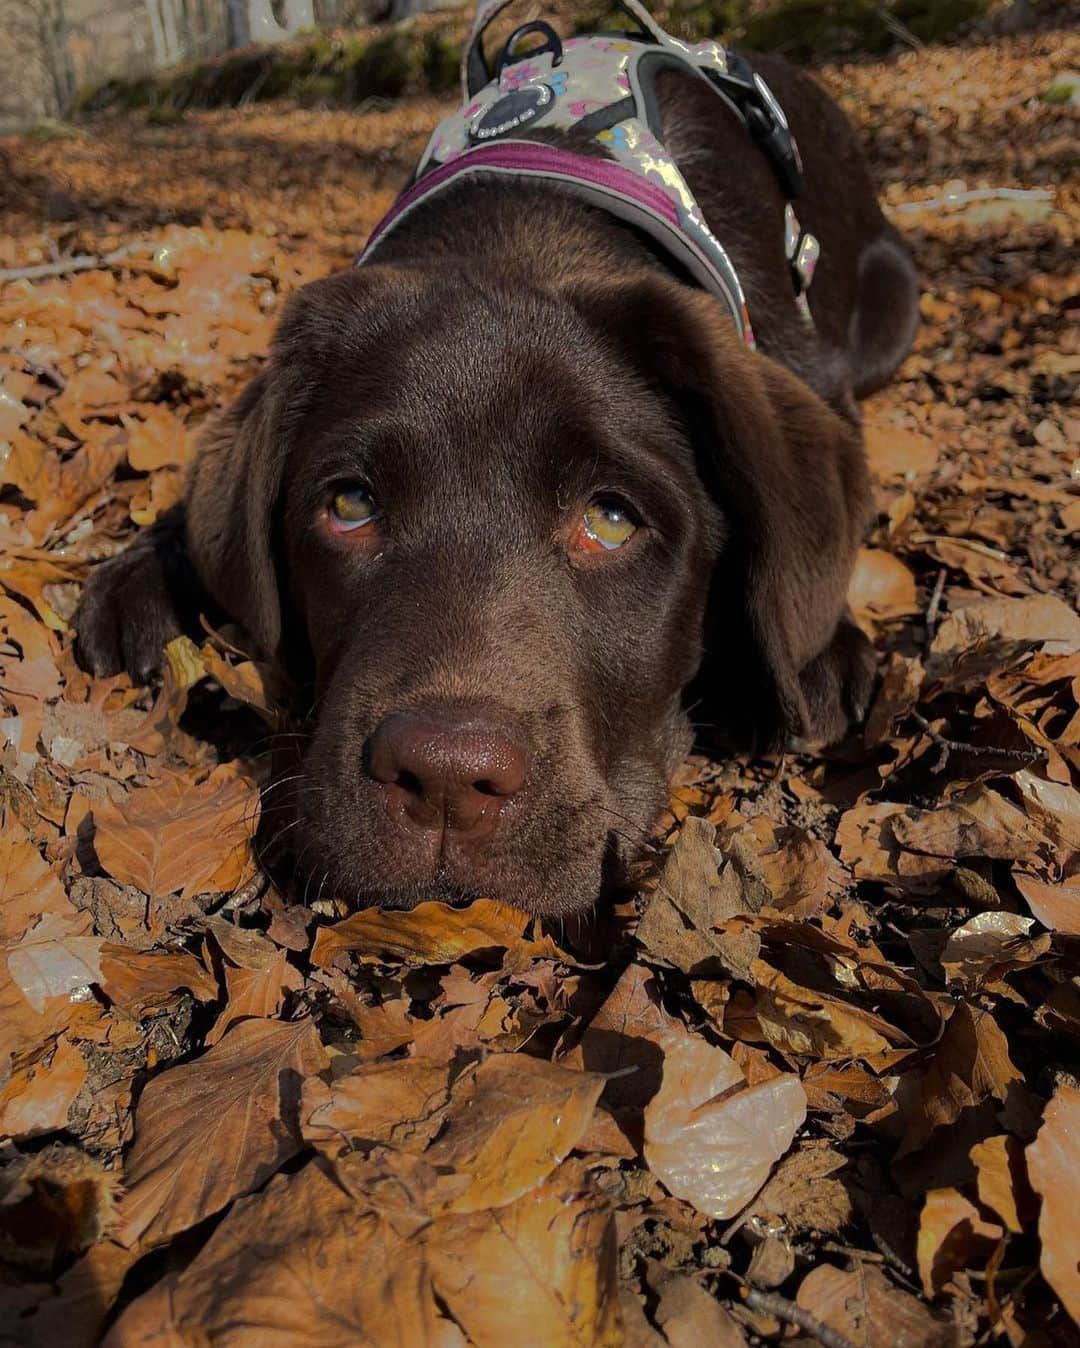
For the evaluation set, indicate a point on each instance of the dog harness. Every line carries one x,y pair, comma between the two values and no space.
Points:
604,88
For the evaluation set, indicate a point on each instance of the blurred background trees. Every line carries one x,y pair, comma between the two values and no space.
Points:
56,53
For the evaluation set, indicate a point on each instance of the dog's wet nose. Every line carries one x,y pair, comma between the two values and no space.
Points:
446,772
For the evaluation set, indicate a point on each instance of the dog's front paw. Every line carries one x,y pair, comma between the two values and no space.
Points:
126,616
837,685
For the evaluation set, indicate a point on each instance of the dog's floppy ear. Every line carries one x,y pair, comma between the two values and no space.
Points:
790,477
232,490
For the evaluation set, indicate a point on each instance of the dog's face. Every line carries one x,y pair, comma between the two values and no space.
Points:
488,522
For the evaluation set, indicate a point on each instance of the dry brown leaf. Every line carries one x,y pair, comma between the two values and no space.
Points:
215,1128
179,836
303,1264
430,933
952,1235
970,1064
1053,1162
141,981
990,945
802,1020
896,451
897,696
870,1311
1001,1177
623,1041
991,633
255,992
37,1096
29,885
157,439
541,1270
709,1137
689,1315
1055,906
402,1104
1056,807
509,1124
881,587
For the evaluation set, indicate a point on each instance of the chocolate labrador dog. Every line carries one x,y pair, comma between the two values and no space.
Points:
511,496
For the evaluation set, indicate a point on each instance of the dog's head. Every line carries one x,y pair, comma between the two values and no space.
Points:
499,529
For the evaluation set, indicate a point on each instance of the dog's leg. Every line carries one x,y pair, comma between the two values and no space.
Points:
136,602
837,684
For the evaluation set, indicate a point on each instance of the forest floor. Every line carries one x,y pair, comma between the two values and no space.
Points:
826,1089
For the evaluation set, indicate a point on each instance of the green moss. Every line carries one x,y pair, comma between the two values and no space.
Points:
383,67
810,30
164,114
441,60
50,129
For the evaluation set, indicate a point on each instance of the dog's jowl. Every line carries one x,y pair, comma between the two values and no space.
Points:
575,444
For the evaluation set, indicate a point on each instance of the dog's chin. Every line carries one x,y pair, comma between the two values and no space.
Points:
575,887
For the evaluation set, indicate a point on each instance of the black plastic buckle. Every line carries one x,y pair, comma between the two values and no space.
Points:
552,43
764,119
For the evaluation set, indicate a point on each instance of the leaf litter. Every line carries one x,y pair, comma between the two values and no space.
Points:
819,1069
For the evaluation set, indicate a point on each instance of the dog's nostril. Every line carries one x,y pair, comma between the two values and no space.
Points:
446,770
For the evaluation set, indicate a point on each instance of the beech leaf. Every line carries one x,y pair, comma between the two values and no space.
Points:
214,1128
709,1137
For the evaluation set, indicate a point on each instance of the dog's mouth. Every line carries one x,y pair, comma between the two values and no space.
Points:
335,858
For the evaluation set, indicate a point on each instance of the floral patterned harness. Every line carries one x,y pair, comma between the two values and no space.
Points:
605,88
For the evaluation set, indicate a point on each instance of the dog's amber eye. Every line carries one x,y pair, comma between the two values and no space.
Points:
352,508
606,524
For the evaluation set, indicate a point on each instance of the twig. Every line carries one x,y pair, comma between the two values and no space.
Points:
67,265
898,29
772,1303
39,371
934,606
946,746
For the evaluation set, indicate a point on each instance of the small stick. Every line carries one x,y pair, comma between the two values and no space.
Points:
934,607
1026,757
772,1303
67,265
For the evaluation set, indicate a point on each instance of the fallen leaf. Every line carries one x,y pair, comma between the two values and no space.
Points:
402,1104
895,451
141,981
689,1315
970,1064
989,945
1055,906
709,1137
430,933
1001,1176
37,1097
509,1124
255,992
870,1311
881,587
952,1235
1053,1162
177,836
303,1263
541,1270
214,1128
54,958
991,633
